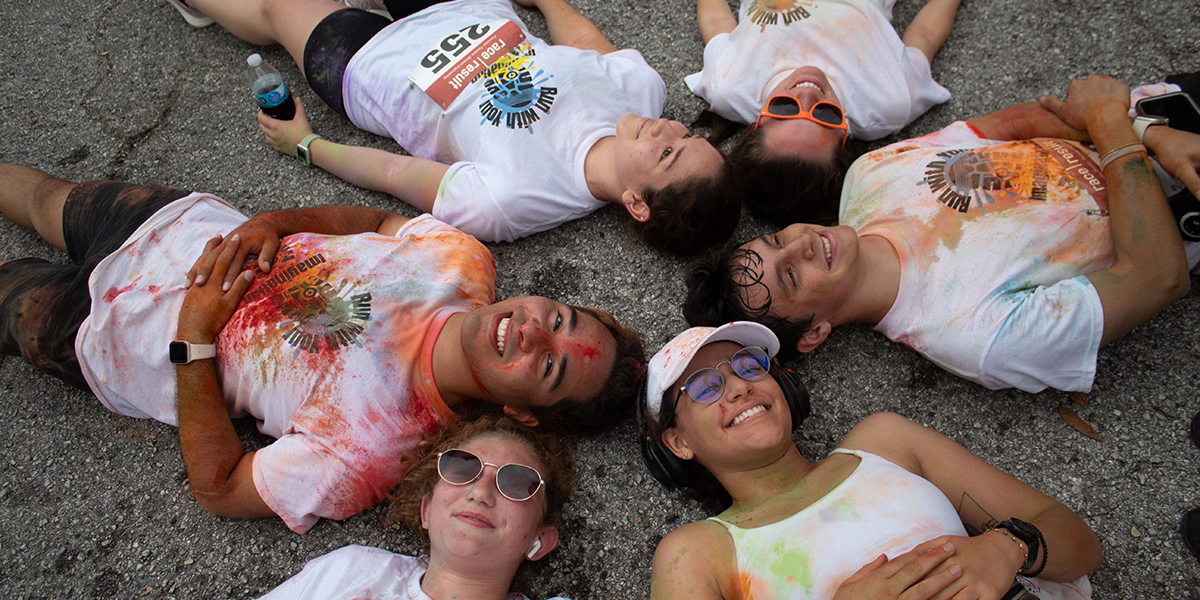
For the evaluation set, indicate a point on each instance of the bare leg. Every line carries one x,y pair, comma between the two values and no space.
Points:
930,28
266,22
34,200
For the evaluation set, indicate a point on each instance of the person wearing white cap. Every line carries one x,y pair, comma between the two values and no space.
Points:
717,419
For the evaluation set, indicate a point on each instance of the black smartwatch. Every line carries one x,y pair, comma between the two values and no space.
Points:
182,353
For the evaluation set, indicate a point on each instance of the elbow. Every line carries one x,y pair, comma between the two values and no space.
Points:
1180,284
213,501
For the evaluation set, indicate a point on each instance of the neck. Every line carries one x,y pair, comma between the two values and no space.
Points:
444,581
878,280
451,375
599,170
751,487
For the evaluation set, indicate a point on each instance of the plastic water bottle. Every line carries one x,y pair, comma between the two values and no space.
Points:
270,90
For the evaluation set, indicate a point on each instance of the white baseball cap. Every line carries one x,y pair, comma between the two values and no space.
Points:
668,364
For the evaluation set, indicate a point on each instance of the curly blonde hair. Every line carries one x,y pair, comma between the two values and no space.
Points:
557,466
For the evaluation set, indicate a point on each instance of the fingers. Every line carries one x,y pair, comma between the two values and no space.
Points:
867,569
915,565
266,255
241,283
221,264
933,584
239,259
1052,104
200,270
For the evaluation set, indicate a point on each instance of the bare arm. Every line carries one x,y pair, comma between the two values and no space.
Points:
930,28
569,28
218,467
411,179
1026,121
981,493
1150,270
714,17
1178,152
695,561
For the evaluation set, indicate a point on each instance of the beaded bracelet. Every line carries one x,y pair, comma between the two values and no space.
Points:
1024,548
1118,152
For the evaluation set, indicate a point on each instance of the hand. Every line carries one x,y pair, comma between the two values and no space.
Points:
988,564
258,236
1178,152
205,309
906,577
284,135
1087,99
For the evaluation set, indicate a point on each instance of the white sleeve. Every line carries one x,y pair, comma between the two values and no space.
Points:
464,202
343,573
1050,338
302,481
701,83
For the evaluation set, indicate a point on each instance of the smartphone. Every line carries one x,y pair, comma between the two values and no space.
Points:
1178,107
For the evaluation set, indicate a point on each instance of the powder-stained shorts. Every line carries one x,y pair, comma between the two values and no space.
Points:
42,304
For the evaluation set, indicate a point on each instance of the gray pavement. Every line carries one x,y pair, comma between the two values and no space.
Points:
94,505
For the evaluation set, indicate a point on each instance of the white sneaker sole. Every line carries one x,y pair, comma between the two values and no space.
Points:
193,17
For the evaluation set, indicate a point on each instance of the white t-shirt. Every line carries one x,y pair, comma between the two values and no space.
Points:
883,84
331,352
995,240
516,136
359,573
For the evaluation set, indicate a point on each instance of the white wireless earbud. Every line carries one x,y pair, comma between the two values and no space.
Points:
537,545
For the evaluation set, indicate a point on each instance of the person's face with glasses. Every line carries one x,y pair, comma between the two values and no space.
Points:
489,504
810,121
726,402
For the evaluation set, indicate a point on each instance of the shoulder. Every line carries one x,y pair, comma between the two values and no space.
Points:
677,546
889,436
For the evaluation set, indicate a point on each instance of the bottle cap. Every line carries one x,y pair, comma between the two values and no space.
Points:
254,60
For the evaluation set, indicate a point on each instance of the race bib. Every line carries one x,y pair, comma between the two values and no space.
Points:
446,70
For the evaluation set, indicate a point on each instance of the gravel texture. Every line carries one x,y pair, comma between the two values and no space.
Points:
94,505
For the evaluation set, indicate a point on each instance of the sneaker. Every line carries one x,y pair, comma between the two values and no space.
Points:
374,6
194,17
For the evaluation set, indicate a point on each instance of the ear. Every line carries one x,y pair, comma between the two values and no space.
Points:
678,446
521,416
425,512
549,538
637,207
814,336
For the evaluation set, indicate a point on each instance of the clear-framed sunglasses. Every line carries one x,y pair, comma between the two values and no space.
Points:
514,481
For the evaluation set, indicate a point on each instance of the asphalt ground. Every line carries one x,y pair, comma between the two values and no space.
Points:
95,505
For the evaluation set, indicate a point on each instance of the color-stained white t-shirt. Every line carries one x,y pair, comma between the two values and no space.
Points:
883,85
995,240
880,508
517,135
359,573
330,352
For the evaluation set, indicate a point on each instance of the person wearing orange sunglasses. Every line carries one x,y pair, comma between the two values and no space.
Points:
808,77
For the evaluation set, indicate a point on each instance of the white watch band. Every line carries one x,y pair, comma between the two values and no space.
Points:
302,152
1142,123
201,351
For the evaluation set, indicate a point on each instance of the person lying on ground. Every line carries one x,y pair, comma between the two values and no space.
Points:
358,333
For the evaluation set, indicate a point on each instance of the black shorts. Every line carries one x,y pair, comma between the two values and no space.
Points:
42,304
338,37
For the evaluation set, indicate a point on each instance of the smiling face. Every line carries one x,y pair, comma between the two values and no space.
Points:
749,424
654,154
801,137
805,271
533,351
475,522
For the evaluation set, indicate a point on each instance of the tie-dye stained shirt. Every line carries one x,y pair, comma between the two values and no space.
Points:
330,352
883,85
880,508
516,137
995,240
359,573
